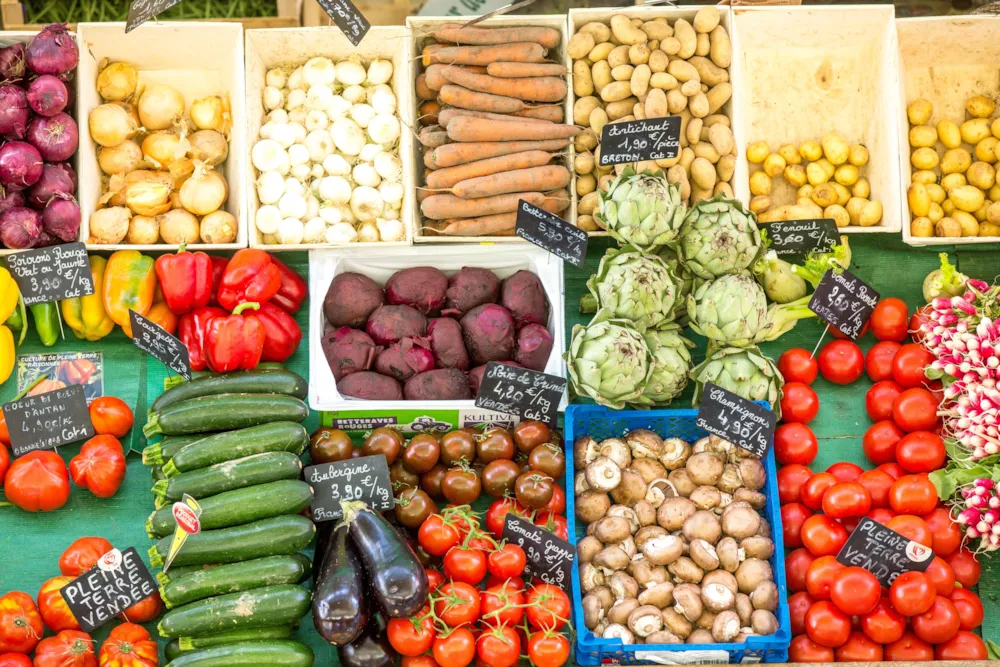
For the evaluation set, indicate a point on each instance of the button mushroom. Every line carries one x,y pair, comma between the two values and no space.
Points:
729,554
756,499
623,586
706,497
740,522
592,611
647,532
631,489
706,619
585,450
650,469
604,595
763,622
685,570
628,546
764,530
730,480
664,637
753,474
703,554
751,573
617,450
611,559
756,546
675,453
704,468
726,627
702,525
717,597
645,620
744,608
659,595
590,577
663,549
659,490
612,529
674,512
700,636
580,483
626,513
681,482
687,601
603,474
587,548
592,505
645,512
620,611
765,596
647,574
644,444
617,631
721,577
676,622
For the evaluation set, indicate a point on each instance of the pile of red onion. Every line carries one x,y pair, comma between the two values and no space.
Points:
37,138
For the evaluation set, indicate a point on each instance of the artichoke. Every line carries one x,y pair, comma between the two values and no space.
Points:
609,361
685,284
718,236
729,310
671,364
642,210
745,371
632,286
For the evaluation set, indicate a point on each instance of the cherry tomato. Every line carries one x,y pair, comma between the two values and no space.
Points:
963,646
822,535
966,567
466,565
893,469
941,575
969,607
841,361
878,361
548,607
803,649
791,479
558,503
555,524
548,650
845,471
879,441
882,515
915,410
814,488
409,638
912,593
793,516
890,320
507,561
908,648
879,399
513,584
913,494
502,604
436,536
497,513
797,564
877,483
820,576
458,604
945,533
795,443
858,648
826,625
855,591
798,605
799,403
883,624
920,451
455,649
938,624
797,365
912,527
499,647
846,499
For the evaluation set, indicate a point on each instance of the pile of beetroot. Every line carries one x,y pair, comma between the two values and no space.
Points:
429,337
37,138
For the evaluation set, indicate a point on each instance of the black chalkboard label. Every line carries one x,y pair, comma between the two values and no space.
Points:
883,552
549,231
522,392
347,17
118,581
548,557
48,420
742,422
801,237
52,274
157,341
364,479
844,301
140,11
638,140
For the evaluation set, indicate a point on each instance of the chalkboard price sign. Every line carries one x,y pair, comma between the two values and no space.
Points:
548,557
519,391
118,581
547,230
638,140
743,422
48,420
157,341
347,17
140,11
52,274
844,301
883,552
801,237
365,479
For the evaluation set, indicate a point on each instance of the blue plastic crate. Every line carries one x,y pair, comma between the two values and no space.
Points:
600,423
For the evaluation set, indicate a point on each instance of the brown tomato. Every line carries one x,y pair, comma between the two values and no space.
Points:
384,440
422,453
495,444
431,480
327,445
461,486
534,489
548,458
529,434
499,477
402,478
456,446
413,506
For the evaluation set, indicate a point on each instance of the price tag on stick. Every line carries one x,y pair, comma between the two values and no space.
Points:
549,557
364,479
801,237
157,341
52,274
638,140
118,581
522,392
347,17
549,231
140,11
48,420
187,515
844,301
883,552
743,422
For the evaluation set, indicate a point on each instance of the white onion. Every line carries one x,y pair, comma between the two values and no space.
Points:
319,144
379,71
365,174
384,128
341,232
362,114
283,134
273,98
292,205
319,71
354,94
314,231
368,232
276,77
330,214
316,171
319,98
350,72
336,165
267,219
388,166
270,187
348,137
296,79
290,231
270,239
383,101
298,132
390,230
347,214
392,193
269,155
277,116
366,203
294,186
312,207
335,190
390,213
298,115
298,154
296,98
339,107
316,120
300,171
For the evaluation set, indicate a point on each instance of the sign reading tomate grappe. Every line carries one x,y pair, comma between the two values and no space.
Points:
118,581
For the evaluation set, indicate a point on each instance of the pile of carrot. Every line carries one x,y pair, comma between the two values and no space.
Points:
491,107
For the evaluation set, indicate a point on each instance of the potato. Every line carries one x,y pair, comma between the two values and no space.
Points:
995,128
600,31
668,163
980,107
618,56
936,213
789,154
707,151
692,132
774,165
982,175
924,176
721,52
724,189
795,174
725,167
760,203
586,140
824,195
966,198
923,136
936,193
985,150
989,229
722,139
757,152
658,61
955,161
638,54
949,134
598,119
703,174
948,207
625,32
919,112
585,184
700,105
919,199
804,192
858,155
588,204
708,72
993,213
656,104
706,19
582,109
871,214
811,151
760,183
975,130
835,149
690,88
583,83
838,213
994,193
809,208
854,207
968,223
924,158
677,174
952,181
827,167
583,163
980,214
663,81
718,95
683,71
619,110
685,33
580,45
843,194
704,45
639,83
671,46
922,227
846,174
815,174
622,72
616,91
656,30
600,52
676,101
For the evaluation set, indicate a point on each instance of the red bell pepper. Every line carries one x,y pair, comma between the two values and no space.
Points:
281,333
191,330
185,280
293,290
219,265
250,276
234,342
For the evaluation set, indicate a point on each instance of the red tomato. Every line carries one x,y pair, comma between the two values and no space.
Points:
941,575
859,648
908,648
499,647
455,649
20,623
418,661
555,524
507,561
502,604
548,607
883,624
458,604
890,319
791,478
793,516
4,433
814,488
797,564
877,483
100,466
129,644
912,527
436,535
966,567
915,410
845,471
53,608
496,515
409,638
945,533
893,469
841,361
882,515
826,625
14,660
144,610
820,577
822,535
797,365
880,440
963,646
558,503
878,361
795,443
434,578
803,649
969,607
850,523
799,403
912,593
913,494
4,461
855,591
798,605
938,624
879,399
920,451
548,650
69,648
846,499
466,565
82,555
111,416
909,364
37,481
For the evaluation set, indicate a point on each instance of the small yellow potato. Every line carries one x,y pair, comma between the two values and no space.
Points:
989,229
980,214
760,183
809,208
600,31
706,150
922,227
676,101
968,223
626,33
585,184
854,207
687,37
583,163
948,207
687,157
760,203
993,213
862,189
995,128
952,181
586,140
721,137
816,174
699,105
789,154
721,51
805,192
622,108
839,215
871,214
922,158
580,45
835,149
703,174
975,130
980,107
663,81
638,54
858,155
704,45
811,151
601,51
639,82
919,199
757,152
936,192
616,91
935,213
655,104
919,112
795,174
706,19
690,88
586,223
774,165
600,74
622,72
982,175
923,136
582,109
828,167
693,130
656,30
949,134
994,193
598,119
658,61
618,56
924,176
583,83
955,161
986,150
947,228
824,195
718,95
843,194
966,198
846,174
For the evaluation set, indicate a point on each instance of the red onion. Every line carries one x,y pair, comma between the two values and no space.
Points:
14,111
52,51
12,64
20,228
56,179
20,165
11,200
45,240
56,138
61,218
47,95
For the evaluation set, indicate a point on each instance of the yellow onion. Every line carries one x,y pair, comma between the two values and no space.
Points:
204,192
143,230
111,124
109,225
210,113
160,106
117,184
208,146
218,227
147,198
130,110
120,159
164,147
178,226
117,81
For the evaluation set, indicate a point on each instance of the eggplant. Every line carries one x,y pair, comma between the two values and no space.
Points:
340,611
323,532
396,576
371,649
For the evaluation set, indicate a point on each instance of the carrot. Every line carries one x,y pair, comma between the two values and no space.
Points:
450,155
428,112
454,32
507,70
487,225
433,136
423,194
479,129
428,54
457,96
556,201
520,52
449,113
422,89
550,177
434,77
532,89
445,178
443,207
552,113
429,162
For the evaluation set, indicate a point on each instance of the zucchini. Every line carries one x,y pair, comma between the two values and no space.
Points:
174,573
236,577
227,476
277,536
261,607
157,473
248,635
274,437
273,653
242,382
224,412
159,453
174,380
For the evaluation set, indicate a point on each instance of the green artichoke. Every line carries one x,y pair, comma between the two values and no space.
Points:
609,361
642,210
718,236
729,310
745,371
671,364
633,286
684,280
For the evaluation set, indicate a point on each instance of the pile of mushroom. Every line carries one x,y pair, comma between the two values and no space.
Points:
675,551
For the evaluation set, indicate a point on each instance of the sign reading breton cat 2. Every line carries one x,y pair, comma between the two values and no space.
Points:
638,140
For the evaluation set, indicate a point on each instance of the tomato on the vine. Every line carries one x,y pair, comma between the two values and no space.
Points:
558,503
908,648
411,636
966,567
797,365
879,441
548,649
969,607
455,649
502,603
911,527
845,471
821,575
858,648
497,513
548,607
499,646
944,532
912,593
913,494
795,443
465,565
803,649
436,535
791,478
883,624
799,403
846,499
879,399
963,646
793,516
512,583
457,603
877,483
418,661
507,561
434,578
890,319
855,591
939,623
841,361
797,564
878,361
822,535
798,605
814,488
909,364
555,524
826,625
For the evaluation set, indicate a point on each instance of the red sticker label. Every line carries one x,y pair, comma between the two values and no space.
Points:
110,561
187,519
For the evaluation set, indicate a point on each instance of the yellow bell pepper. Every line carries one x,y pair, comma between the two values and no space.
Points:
129,284
6,353
8,294
86,315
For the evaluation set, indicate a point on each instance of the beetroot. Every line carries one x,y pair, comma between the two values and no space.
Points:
350,300
420,287
477,373
391,324
443,384
405,359
370,387
447,344
523,294
488,332
534,344
469,288
348,351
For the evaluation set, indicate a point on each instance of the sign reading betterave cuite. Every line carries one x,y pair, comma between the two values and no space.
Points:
118,581
364,479
883,552
549,557
638,140
52,274
549,231
48,420
844,301
140,11
522,392
157,341
347,17
801,237
743,422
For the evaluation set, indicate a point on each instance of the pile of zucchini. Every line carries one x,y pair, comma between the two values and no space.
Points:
233,592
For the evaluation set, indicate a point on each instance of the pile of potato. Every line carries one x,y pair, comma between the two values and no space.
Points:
630,69
956,187
827,177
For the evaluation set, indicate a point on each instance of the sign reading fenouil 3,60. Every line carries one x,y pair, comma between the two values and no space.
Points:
638,140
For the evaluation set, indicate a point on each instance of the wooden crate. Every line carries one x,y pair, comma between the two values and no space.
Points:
945,60
288,15
800,73
270,48
385,12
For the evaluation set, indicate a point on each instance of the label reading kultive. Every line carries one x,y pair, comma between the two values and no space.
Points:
549,557
347,17
801,237
883,552
522,392
365,479
48,420
118,581
638,140
52,274
549,231
140,11
160,343
844,301
742,422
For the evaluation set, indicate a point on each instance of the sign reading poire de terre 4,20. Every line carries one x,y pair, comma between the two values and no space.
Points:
638,140
48,420
52,274
522,392
364,479
883,552
118,581
844,301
